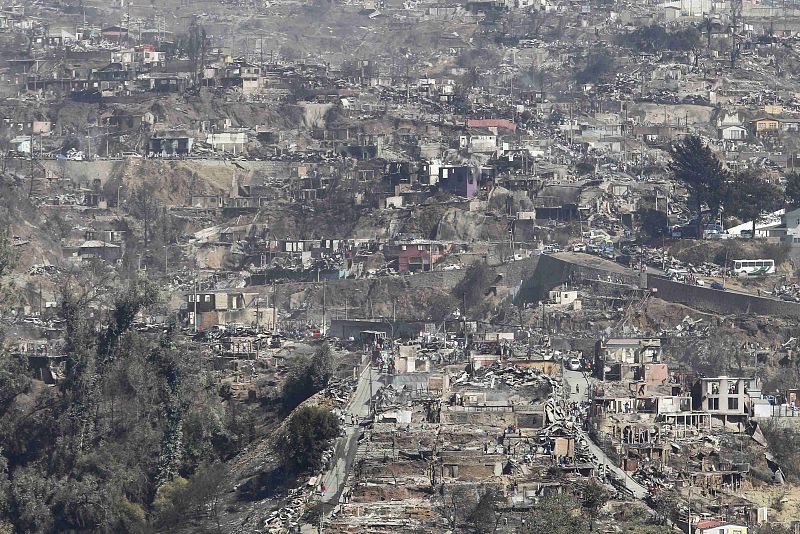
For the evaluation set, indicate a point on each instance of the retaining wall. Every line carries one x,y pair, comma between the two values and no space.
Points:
719,301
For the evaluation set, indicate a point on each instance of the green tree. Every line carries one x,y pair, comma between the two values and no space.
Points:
455,504
30,494
8,259
195,45
708,26
307,376
593,498
749,196
181,497
322,366
701,172
91,453
556,514
773,529
305,437
597,65
143,204
655,38
5,489
14,380
297,386
170,496
793,189
485,517
783,442
664,504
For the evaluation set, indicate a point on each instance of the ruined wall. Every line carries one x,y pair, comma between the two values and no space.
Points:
475,416
82,172
713,300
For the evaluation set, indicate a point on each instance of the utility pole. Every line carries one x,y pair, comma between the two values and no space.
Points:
274,308
625,138
195,304
571,136
689,512
408,85
323,306
369,377
30,191
544,319
736,13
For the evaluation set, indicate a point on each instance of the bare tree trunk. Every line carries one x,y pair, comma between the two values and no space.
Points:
700,220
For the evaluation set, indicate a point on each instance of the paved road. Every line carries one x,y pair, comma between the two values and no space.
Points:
639,491
571,379
576,378
595,262
346,446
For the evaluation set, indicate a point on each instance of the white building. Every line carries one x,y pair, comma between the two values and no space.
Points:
791,221
690,8
479,141
718,527
227,141
733,133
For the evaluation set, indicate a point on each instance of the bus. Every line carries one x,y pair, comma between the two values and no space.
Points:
753,267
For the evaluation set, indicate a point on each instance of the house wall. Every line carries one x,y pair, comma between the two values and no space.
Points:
110,254
484,360
417,257
620,354
248,316
458,181
656,373
716,396
406,364
733,133
547,367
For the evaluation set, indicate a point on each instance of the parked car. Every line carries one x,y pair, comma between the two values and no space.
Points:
717,285
574,364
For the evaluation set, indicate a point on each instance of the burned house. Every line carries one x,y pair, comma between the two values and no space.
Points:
461,181
727,399
95,249
558,202
170,143
205,309
625,358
